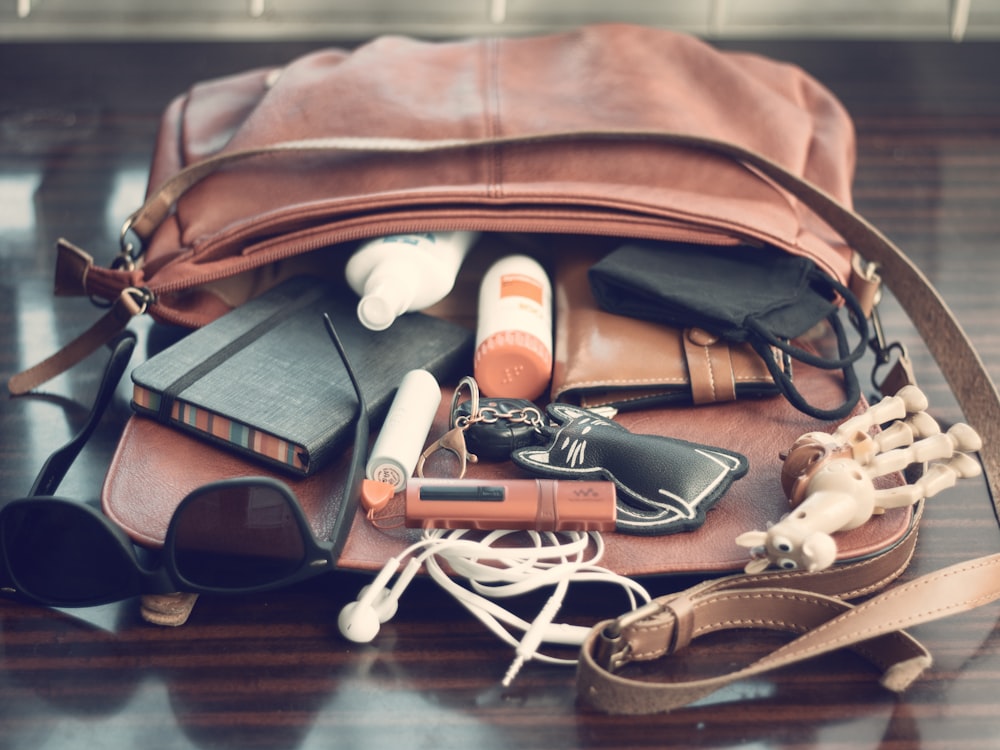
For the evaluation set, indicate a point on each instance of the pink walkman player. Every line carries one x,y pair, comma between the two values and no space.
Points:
540,504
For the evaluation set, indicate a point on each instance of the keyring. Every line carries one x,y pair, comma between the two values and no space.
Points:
468,382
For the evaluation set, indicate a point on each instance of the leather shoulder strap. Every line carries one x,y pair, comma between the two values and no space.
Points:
874,629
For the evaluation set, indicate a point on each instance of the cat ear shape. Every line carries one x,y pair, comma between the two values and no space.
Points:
562,413
664,485
564,455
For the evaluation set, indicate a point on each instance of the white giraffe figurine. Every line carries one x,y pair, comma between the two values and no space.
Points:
829,479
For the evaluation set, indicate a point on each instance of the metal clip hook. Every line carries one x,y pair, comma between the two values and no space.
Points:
470,383
453,440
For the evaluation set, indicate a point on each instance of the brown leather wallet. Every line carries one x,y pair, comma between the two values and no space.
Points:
603,359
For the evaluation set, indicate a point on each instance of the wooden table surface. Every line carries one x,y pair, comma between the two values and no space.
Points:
77,123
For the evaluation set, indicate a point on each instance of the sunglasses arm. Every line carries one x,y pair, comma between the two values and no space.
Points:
56,466
352,489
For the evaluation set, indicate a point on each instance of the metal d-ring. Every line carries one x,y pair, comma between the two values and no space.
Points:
467,382
126,253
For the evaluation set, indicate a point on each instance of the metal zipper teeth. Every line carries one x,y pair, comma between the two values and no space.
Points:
285,251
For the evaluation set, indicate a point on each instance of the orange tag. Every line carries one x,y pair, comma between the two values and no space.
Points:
517,285
376,495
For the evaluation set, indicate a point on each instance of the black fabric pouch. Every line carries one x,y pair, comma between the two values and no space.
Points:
759,295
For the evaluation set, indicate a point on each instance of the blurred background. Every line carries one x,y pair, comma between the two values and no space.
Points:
355,19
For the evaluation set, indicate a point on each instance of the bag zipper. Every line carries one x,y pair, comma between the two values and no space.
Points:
134,297
279,247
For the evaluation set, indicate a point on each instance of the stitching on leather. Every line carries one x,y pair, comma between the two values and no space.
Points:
623,381
787,626
711,372
760,622
811,600
882,582
753,378
902,622
491,113
871,587
650,381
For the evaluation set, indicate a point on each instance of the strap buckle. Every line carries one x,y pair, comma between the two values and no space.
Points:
613,648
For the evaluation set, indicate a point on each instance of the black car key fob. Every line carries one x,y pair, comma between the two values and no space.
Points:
501,426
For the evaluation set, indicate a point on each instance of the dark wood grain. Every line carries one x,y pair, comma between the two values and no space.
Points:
76,128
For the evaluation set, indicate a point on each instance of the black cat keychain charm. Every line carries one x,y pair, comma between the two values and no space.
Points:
487,430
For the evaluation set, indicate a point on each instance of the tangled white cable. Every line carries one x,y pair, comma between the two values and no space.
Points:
495,566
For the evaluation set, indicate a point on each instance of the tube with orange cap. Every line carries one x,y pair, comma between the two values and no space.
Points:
514,329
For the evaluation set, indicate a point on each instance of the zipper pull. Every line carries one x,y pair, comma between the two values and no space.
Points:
131,302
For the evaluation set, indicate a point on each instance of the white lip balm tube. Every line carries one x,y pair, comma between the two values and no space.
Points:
404,432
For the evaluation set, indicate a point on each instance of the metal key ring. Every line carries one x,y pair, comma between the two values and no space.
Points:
467,382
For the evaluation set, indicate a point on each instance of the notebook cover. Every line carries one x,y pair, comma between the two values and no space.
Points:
266,381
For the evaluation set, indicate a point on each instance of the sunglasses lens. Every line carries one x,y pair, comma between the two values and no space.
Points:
238,537
60,553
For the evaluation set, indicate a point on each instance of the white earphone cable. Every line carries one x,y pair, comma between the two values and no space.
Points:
493,568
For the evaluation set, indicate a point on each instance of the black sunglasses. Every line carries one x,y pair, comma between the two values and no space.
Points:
233,536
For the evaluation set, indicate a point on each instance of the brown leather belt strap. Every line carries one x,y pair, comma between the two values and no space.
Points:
109,325
710,367
675,621
873,628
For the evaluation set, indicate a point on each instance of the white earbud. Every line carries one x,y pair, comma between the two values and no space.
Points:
358,623
360,620
384,603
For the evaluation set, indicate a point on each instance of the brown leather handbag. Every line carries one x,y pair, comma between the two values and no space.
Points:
616,130
609,131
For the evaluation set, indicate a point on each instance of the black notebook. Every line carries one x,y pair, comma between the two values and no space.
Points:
266,381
